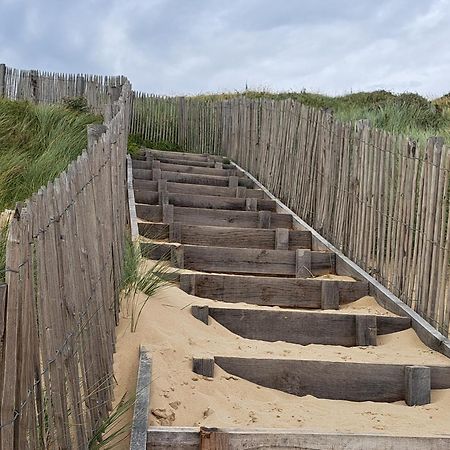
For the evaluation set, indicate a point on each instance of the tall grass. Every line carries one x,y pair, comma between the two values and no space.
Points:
407,113
37,142
138,280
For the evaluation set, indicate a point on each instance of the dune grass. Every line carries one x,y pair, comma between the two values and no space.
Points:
408,113
36,144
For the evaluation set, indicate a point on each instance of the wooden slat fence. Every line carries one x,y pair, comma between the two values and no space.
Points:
64,265
49,87
382,199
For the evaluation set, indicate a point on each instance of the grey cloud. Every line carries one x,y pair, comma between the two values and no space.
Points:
182,46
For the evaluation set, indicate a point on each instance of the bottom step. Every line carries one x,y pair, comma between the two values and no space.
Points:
187,438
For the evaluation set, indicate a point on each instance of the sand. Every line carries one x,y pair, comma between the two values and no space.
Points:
181,398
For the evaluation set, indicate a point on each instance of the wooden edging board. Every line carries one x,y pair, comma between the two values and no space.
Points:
302,327
212,217
187,438
344,266
131,200
343,380
138,440
273,291
186,188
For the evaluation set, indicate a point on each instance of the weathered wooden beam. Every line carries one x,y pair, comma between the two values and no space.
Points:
200,312
211,217
249,260
186,438
196,189
205,201
238,237
183,155
417,385
366,330
328,379
3,293
203,366
270,291
330,297
303,263
138,440
265,219
298,327
167,167
191,178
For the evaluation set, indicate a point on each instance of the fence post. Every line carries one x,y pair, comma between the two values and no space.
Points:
2,79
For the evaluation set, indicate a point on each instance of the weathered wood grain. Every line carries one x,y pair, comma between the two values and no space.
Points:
237,237
221,218
241,260
297,327
332,380
204,201
269,291
195,189
183,155
184,438
191,178
139,425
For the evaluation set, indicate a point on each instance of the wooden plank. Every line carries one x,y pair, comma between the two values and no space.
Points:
366,330
187,438
189,162
237,237
209,217
328,379
203,366
418,385
199,170
195,189
191,178
138,440
183,155
268,291
297,327
205,201
255,261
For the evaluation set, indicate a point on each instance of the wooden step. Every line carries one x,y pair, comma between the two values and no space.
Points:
210,180
211,217
186,162
268,291
168,167
196,189
183,155
299,263
303,328
350,381
281,239
206,201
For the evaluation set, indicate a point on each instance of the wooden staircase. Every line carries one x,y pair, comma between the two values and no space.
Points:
233,245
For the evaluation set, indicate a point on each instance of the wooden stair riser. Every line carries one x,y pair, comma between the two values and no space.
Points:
220,218
203,201
272,291
301,327
196,189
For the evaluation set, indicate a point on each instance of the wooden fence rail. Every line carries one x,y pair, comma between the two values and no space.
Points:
382,199
49,87
64,266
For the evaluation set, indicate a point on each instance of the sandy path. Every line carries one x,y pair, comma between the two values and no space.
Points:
182,398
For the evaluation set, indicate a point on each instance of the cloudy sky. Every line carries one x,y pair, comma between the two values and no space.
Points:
192,46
